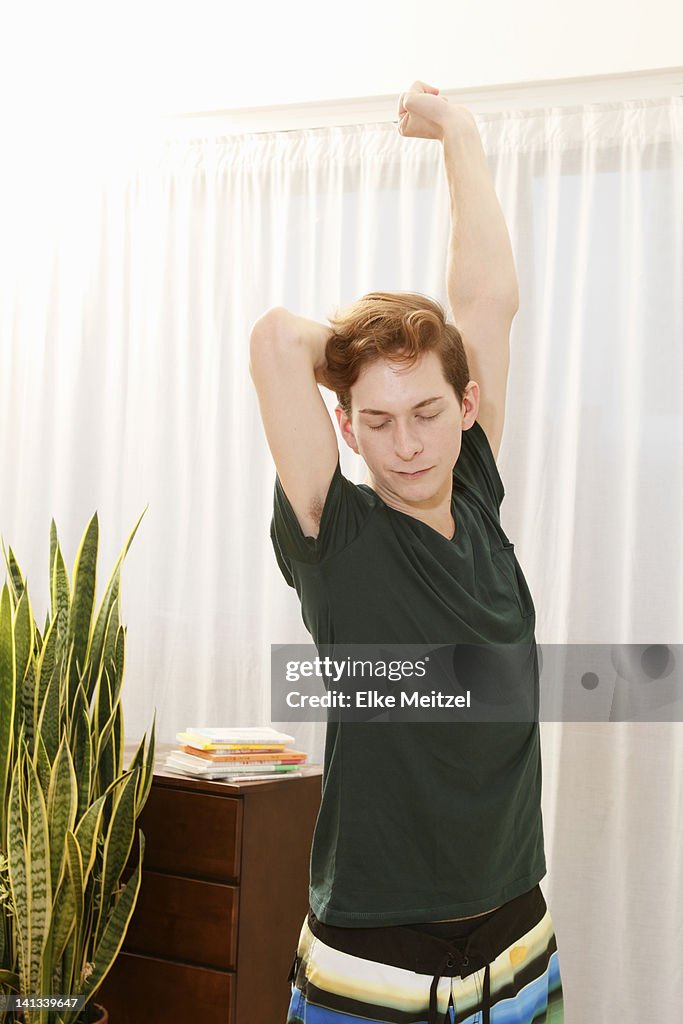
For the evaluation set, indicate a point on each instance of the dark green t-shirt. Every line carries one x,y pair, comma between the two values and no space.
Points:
419,821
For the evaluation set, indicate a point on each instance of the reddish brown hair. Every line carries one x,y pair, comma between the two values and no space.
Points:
399,326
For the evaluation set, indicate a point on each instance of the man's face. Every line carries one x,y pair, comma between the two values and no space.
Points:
406,424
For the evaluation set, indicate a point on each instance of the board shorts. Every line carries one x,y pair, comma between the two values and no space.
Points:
502,968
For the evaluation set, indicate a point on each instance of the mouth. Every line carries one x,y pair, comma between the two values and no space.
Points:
414,476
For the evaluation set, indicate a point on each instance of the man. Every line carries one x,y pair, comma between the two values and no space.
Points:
428,847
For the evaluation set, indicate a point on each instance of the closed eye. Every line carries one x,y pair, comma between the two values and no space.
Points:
425,418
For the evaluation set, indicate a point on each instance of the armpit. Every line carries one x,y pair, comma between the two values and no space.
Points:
315,511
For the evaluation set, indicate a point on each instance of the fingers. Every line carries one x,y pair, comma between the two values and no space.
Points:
418,86
409,99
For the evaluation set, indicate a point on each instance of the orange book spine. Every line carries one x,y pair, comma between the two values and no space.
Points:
288,757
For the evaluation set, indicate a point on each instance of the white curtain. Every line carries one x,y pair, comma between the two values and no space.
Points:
128,284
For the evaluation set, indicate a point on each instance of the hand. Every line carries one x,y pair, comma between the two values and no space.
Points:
286,328
423,114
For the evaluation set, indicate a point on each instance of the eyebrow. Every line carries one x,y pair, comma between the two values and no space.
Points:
420,405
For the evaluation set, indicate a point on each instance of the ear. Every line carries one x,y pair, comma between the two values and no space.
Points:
470,404
345,428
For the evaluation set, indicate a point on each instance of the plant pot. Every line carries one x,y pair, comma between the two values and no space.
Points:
100,1015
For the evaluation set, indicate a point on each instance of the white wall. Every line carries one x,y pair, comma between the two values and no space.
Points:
202,56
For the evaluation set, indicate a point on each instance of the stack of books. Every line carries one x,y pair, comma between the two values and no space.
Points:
235,755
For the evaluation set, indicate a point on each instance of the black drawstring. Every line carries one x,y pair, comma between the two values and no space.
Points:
432,1018
486,1001
454,958
486,994
294,968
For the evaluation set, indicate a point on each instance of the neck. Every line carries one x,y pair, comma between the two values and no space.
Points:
435,511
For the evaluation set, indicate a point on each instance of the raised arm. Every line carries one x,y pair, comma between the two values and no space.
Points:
286,363
481,277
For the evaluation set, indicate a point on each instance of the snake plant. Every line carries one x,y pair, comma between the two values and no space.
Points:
68,807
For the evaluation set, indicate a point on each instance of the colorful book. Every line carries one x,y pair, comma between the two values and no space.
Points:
262,739
196,766
258,757
234,778
198,744
242,734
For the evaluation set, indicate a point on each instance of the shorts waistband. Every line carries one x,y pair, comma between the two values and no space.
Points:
402,946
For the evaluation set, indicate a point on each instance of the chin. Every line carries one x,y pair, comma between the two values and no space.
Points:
426,486
422,487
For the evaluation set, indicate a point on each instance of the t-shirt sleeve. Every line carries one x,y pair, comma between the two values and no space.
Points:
476,468
345,511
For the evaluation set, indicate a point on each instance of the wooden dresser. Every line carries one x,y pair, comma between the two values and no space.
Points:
223,895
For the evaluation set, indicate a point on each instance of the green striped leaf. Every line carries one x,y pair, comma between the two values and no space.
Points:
5,916
60,596
105,770
110,595
118,843
82,601
44,667
76,877
74,723
54,544
109,653
102,626
49,718
86,680
69,982
27,698
40,891
62,802
145,783
88,827
62,925
113,935
23,636
16,577
7,702
105,702
119,663
9,979
42,765
81,745
38,639
17,858
87,832
137,760
118,739
63,919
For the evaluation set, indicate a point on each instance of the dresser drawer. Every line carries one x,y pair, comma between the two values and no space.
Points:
185,919
143,990
190,833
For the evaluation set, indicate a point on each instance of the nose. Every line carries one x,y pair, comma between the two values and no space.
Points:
406,442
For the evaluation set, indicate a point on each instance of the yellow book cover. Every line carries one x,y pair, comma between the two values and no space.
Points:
201,744
288,757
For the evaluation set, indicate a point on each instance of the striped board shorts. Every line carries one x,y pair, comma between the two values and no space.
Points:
501,969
